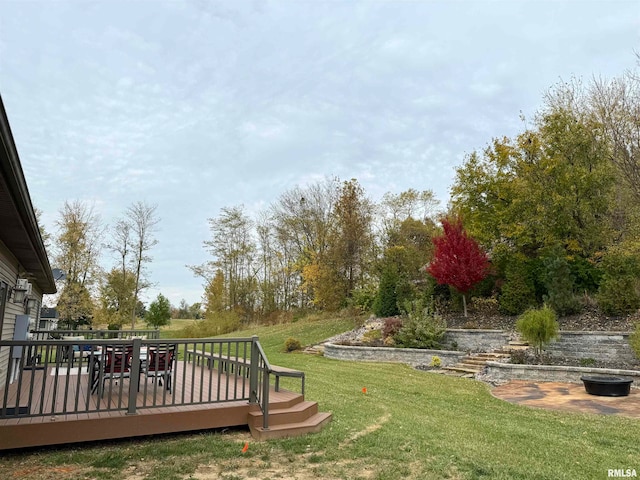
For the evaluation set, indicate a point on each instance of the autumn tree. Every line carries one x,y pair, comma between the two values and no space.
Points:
75,305
233,249
77,243
77,249
458,259
302,222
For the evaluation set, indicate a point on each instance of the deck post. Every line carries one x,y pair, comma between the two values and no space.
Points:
253,370
134,376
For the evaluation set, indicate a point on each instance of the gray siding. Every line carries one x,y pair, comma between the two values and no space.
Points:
9,273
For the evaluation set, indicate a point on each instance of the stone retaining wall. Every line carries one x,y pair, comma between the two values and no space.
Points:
604,346
476,340
410,356
502,372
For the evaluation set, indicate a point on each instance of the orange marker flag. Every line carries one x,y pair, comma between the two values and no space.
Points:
364,390
245,448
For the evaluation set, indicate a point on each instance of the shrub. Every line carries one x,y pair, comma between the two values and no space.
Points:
362,299
421,327
391,327
587,362
518,357
485,306
538,327
634,340
587,276
292,344
372,337
436,361
389,342
518,291
216,323
619,292
559,283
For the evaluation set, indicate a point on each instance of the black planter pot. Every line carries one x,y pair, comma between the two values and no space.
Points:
606,386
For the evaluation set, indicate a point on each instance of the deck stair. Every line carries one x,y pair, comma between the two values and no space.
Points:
288,419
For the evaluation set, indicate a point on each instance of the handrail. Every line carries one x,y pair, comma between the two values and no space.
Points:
259,377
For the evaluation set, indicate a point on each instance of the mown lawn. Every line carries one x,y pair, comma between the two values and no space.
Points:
409,424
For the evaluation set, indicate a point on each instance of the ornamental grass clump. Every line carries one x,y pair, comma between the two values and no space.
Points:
538,327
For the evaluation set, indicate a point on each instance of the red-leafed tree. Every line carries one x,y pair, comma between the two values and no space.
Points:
458,259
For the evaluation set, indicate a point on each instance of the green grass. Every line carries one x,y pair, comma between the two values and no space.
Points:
410,424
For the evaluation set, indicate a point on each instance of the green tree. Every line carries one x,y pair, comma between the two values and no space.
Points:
117,298
386,301
214,295
159,312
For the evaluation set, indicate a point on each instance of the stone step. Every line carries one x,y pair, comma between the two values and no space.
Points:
314,350
474,361
463,369
496,354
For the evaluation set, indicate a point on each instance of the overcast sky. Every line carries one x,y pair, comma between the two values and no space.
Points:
197,105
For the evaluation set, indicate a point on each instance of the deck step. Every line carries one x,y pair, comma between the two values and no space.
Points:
295,414
311,425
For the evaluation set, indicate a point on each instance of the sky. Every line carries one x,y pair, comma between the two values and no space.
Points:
198,105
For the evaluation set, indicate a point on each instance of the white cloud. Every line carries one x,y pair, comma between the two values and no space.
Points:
198,105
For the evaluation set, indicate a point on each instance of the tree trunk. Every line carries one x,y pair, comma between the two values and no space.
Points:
464,304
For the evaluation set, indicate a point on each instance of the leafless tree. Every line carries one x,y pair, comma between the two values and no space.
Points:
616,104
143,221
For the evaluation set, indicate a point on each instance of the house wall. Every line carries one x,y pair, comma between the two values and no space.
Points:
9,267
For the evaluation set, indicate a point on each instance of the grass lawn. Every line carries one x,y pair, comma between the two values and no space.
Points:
409,424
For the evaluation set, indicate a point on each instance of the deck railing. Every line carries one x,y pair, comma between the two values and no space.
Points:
61,377
94,334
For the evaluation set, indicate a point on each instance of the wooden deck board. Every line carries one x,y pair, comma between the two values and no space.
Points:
97,417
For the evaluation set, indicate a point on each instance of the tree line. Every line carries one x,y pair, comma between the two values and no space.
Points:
555,209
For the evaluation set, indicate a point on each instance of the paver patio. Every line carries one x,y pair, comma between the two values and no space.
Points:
568,397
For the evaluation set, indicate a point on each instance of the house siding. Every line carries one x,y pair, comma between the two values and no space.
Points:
9,268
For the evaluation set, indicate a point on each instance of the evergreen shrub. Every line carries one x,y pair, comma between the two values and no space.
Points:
386,302
518,291
538,327
559,283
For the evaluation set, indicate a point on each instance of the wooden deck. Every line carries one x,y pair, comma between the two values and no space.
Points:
66,411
